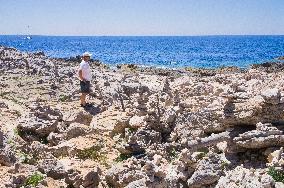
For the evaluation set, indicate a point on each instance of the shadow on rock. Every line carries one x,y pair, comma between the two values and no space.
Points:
93,110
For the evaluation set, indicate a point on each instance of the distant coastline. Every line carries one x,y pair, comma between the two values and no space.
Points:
213,35
211,51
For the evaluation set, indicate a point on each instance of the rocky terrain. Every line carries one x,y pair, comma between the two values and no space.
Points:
146,127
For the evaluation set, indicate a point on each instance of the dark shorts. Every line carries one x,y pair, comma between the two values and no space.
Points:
85,86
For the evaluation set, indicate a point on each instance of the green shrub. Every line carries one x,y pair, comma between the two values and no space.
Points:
16,131
204,150
201,155
122,157
132,130
89,153
43,140
173,154
3,94
34,179
26,158
277,175
10,141
70,186
224,165
18,113
93,153
63,98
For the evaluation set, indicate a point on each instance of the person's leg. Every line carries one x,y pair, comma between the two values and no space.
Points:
83,99
85,90
1,138
83,93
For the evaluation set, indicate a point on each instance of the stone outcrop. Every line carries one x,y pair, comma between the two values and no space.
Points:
264,136
208,171
39,122
146,127
242,177
7,157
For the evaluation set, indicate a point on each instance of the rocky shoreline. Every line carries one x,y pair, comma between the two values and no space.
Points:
147,127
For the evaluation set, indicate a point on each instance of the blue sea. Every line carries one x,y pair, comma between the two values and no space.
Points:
163,51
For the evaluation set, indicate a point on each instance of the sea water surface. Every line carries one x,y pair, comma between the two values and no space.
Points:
163,51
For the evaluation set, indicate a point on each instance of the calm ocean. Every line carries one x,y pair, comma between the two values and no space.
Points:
194,51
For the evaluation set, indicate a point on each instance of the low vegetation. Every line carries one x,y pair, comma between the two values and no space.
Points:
63,98
27,158
173,154
276,174
122,157
34,179
94,154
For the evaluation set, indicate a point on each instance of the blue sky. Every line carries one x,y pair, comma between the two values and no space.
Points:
142,17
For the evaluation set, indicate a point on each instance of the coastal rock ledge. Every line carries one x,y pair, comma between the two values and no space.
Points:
146,127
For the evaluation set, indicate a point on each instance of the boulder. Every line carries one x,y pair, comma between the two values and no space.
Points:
271,96
276,158
147,137
75,130
39,122
131,147
87,179
279,185
91,179
120,176
52,168
242,177
112,122
7,157
81,117
208,171
264,136
54,138
137,121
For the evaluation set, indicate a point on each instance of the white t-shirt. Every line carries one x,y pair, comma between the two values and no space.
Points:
86,70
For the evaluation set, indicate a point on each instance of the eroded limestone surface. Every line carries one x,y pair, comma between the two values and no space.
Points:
146,127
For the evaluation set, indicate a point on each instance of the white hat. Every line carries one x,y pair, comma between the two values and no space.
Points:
87,54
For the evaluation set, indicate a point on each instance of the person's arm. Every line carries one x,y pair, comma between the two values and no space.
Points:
81,75
81,72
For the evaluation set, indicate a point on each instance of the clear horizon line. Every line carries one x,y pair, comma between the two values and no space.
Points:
142,35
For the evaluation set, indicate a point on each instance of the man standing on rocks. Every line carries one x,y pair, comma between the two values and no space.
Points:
85,76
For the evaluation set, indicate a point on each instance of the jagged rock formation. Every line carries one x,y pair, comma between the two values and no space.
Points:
146,128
